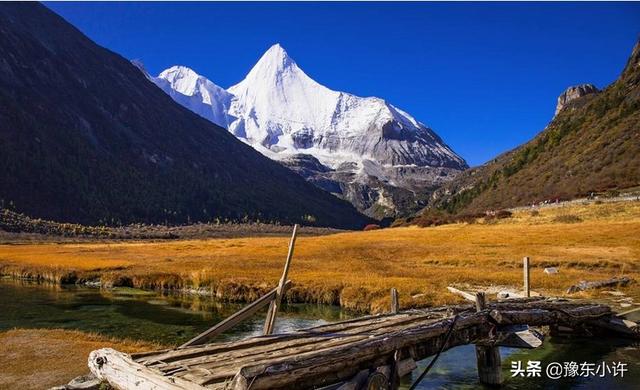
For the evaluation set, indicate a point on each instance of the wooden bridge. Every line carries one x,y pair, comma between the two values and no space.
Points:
354,354
371,352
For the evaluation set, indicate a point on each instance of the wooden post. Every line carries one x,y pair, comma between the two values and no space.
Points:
525,270
481,301
488,358
395,304
275,304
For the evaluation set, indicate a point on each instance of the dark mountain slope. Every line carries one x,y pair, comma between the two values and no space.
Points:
85,137
593,144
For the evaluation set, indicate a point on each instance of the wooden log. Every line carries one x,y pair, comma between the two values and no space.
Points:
526,275
489,365
355,383
624,313
583,285
546,317
619,326
395,303
122,372
464,294
405,366
377,381
229,322
487,358
275,303
518,337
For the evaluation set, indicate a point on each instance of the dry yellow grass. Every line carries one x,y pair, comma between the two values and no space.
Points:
357,269
42,358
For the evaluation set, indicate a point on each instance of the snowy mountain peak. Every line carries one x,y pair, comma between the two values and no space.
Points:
195,92
283,113
275,60
183,79
273,71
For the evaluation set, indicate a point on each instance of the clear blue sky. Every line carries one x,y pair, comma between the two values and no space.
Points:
485,76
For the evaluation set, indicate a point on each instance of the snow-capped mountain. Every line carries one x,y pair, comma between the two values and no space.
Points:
363,143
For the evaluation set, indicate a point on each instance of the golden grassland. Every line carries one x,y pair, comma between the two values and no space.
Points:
357,269
42,358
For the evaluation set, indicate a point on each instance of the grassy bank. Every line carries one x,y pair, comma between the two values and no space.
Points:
357,269
42,358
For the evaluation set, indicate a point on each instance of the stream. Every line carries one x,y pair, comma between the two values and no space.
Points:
173,319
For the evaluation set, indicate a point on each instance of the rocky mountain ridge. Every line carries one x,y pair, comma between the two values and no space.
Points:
591,145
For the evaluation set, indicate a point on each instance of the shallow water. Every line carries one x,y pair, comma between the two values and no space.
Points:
136,314
174,319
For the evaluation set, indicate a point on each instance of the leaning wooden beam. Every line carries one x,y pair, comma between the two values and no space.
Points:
623,281
275,303
123,373
624,313
463,294
229,322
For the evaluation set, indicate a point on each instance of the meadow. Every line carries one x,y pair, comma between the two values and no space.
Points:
43,358
587,241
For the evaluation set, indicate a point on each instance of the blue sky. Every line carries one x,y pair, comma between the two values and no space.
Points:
484,76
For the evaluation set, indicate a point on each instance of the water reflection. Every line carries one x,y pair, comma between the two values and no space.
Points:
169,319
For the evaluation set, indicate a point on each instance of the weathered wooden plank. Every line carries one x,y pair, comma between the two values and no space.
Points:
546,317
122,372
464,294
624,313
583,285
229,322
519,337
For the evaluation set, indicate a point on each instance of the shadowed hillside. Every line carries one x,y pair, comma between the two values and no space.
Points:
85,138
